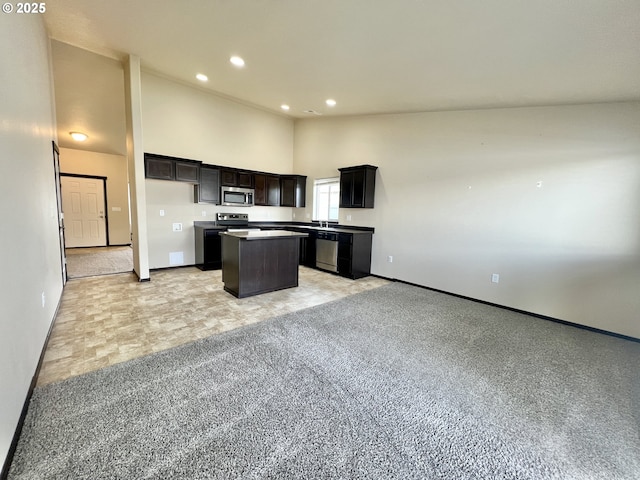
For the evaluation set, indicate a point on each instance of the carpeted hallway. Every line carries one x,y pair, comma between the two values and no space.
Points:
396,382
89,262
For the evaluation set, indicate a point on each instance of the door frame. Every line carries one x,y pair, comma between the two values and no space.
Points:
104,187
59,213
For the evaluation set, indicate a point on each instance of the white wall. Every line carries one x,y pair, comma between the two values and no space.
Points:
114,167
187,122
457,200
29,240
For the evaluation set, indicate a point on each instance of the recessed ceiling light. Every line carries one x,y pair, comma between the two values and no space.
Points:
237,61
284,107
202,77
78,136
331,102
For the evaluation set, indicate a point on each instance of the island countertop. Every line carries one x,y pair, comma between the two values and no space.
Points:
264,234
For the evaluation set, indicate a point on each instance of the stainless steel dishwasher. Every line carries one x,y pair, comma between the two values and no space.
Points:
327,251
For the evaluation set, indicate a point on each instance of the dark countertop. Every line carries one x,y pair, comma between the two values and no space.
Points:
209,225
298,226
337,228
264,234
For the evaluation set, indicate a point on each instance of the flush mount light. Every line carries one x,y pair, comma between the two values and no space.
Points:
202,77
78,136
284,107
237,61
331,102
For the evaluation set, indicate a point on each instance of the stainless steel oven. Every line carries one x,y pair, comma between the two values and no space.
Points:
327,251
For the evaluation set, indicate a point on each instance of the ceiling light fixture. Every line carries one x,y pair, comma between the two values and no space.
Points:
202,77
284,107
78,136
237,61
331,102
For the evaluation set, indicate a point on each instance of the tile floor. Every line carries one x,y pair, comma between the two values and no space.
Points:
110,319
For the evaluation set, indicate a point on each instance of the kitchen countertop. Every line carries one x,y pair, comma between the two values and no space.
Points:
264,234
337,229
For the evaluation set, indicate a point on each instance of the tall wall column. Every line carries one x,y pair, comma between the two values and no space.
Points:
135,162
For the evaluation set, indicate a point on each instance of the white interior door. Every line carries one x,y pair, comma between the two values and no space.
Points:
84,212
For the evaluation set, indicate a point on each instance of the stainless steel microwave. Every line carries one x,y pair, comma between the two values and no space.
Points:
237,197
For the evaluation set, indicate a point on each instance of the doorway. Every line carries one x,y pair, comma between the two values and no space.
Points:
84,207
56,172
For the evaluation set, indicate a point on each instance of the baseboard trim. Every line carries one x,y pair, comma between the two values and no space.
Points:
4,474
148,279
517,310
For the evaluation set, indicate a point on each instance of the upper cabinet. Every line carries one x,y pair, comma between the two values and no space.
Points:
293,190
230,177
267,189
162,168
208,191
187,171
170,168
270,189
357,186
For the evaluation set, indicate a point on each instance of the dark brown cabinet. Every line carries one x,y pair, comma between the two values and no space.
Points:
293,190
357,186
245,179
308,249
208,248
230,177
208,190
267,189
187,171
162,168
270,189
259,265
354,254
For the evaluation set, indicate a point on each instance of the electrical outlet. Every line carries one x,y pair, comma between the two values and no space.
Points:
348,218
162,213
177,227
495,278
204,213
43,299
390,259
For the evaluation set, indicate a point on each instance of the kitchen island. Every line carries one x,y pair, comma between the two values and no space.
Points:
255,262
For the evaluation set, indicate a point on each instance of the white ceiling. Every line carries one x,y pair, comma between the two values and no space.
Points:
373,56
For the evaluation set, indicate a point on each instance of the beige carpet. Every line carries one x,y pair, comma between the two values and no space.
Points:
89,262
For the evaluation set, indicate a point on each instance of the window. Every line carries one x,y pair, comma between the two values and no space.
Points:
326,198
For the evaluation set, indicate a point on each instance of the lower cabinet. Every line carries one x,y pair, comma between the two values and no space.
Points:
354,250
308,249
208,248
354,254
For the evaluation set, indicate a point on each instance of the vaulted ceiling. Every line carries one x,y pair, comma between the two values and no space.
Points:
372,56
